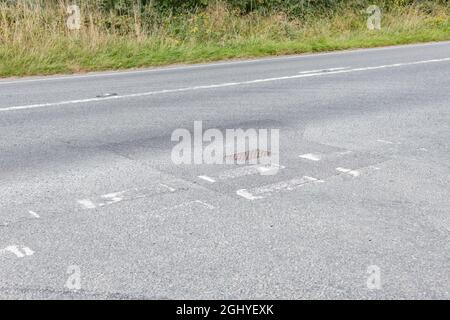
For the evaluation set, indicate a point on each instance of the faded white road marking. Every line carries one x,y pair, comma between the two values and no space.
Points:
247,195
269,170
34,214
19,251
242,171
343,153
87,204
125,195
206,178
385,141
168,187
189,203
310,156
323,70
265,191
354,173
215,86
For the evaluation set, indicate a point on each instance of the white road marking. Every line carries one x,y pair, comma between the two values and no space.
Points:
247,195
125,195
323,70
206,178
265,191
214,86
168,187
20,252
354,173
385,141
87,204
242,171
205,204
310,156
189,203
271,169
34,214
219,64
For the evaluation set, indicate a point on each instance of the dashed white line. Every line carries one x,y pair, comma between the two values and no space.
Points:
264,191
206,178
354,173
215,86
168,187
189,203
385,141
247,195
125,195
34,214
87,204
310,156
323,70
18,251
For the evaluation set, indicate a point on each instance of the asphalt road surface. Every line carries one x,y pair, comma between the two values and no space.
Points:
91,205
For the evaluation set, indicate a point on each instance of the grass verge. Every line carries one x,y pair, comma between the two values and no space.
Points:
35,41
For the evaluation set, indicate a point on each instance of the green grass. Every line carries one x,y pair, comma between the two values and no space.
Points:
186,40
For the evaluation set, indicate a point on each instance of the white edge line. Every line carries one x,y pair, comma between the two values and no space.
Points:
224,63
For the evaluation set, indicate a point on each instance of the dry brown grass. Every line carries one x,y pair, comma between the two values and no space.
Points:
34,39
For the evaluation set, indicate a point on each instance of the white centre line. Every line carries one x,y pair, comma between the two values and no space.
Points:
34,214
215,86
19,251
206,178
310,156
354,173
385,141
323,70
